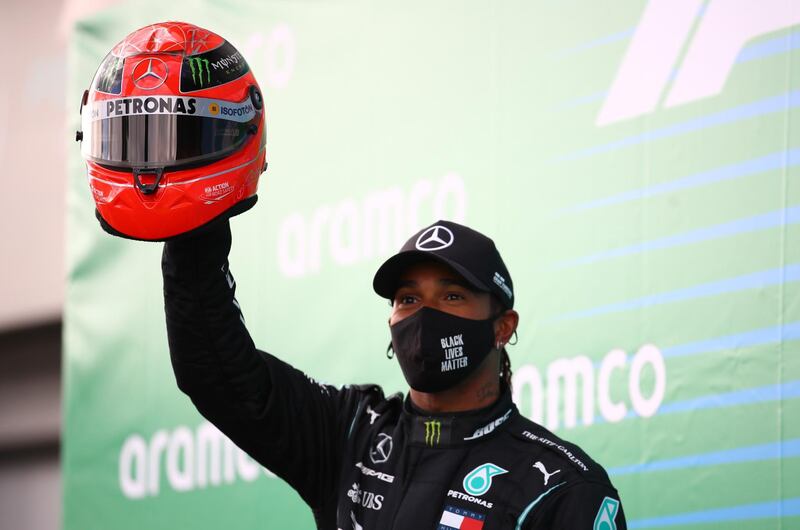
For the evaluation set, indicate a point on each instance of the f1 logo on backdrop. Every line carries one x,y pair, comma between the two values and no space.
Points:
724,27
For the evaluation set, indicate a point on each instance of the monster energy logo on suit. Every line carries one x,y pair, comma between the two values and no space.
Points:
212,68
433,432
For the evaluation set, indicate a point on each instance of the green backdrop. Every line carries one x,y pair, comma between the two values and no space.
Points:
636,163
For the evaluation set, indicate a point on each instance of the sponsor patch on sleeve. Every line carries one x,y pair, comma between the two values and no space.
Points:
606,514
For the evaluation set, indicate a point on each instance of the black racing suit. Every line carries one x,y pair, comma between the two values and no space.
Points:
358,459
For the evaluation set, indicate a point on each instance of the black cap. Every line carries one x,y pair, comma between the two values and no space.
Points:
470,253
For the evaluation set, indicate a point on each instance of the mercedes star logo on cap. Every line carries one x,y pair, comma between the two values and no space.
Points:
436,237
149,74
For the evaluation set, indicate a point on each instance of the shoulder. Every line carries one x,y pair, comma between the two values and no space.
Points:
555,450
372,394
562,486
370,404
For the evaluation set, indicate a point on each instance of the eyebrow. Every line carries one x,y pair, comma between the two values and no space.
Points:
446,282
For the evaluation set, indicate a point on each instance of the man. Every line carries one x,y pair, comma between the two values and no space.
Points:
172,151
455,454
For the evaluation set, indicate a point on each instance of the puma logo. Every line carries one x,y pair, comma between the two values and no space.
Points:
540,467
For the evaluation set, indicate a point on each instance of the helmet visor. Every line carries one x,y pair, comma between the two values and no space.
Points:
162,131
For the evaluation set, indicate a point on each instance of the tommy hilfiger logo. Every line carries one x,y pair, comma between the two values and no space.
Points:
454,518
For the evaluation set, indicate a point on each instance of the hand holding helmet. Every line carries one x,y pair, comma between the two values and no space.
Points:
173,133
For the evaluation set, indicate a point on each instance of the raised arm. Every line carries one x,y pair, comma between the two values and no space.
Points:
214,358
287,422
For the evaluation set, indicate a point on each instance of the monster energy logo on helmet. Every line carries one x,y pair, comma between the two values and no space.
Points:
433,432
212,68
197,65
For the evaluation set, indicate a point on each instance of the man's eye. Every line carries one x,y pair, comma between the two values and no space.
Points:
405,299
454,296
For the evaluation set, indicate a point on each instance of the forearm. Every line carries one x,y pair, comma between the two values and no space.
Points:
213,356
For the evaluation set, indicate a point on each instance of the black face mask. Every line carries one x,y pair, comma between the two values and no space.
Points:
437,350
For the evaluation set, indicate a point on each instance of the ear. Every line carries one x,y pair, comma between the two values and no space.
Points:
505,325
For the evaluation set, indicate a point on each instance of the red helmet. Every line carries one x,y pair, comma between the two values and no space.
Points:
173,132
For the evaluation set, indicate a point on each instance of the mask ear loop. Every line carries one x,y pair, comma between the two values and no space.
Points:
390,349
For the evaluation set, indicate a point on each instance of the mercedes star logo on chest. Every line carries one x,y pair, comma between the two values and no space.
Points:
382,450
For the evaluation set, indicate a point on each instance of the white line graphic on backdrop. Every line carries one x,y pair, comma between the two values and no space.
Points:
724,29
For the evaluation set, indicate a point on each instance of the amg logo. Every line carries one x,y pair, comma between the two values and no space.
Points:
372,473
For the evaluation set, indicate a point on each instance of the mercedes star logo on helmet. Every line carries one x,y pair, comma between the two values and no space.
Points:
149,73
383,448
435,238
